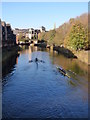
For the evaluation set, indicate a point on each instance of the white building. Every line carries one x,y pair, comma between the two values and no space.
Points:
31,33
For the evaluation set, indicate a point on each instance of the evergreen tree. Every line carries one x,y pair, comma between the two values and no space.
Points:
78,37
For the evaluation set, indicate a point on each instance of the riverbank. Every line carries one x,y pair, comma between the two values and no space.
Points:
43,45
66,52
83,55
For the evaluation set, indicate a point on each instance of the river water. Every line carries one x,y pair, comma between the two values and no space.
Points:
33,90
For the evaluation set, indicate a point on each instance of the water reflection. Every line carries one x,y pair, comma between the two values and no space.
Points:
70,82
76,69
39,90
9,65
73,65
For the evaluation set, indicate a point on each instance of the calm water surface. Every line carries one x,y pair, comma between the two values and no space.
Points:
33,90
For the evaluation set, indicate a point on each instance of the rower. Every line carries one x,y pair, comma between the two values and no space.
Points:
62,71
36,60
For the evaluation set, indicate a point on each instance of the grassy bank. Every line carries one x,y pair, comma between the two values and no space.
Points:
83,56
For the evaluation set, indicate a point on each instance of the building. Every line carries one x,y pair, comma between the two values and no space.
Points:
20,31
10,36
17,38
29,34
43,29
16,31
6,34
4,31
0,34
9,32
33,33
36,33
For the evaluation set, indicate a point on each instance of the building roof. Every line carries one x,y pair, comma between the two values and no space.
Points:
8,25
31,29
42,27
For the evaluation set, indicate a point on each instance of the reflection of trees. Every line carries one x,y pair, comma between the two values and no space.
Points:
69,64
75,67
89,73
23,47
72,83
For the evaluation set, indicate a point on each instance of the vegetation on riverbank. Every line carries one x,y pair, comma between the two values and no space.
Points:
22,38
72,35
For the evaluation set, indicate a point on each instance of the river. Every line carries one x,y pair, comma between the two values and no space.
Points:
33,90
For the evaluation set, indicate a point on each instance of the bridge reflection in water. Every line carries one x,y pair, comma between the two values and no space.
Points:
40,91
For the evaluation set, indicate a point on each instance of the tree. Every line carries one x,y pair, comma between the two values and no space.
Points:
78,37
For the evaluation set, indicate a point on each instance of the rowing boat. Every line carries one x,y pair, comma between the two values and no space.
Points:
61,70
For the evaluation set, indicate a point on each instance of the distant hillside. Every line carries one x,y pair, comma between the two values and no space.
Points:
72,34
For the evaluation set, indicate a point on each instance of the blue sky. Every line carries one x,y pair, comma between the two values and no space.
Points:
36,14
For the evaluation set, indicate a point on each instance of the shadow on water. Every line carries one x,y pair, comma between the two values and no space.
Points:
9,66
66,52
37,65
77,70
